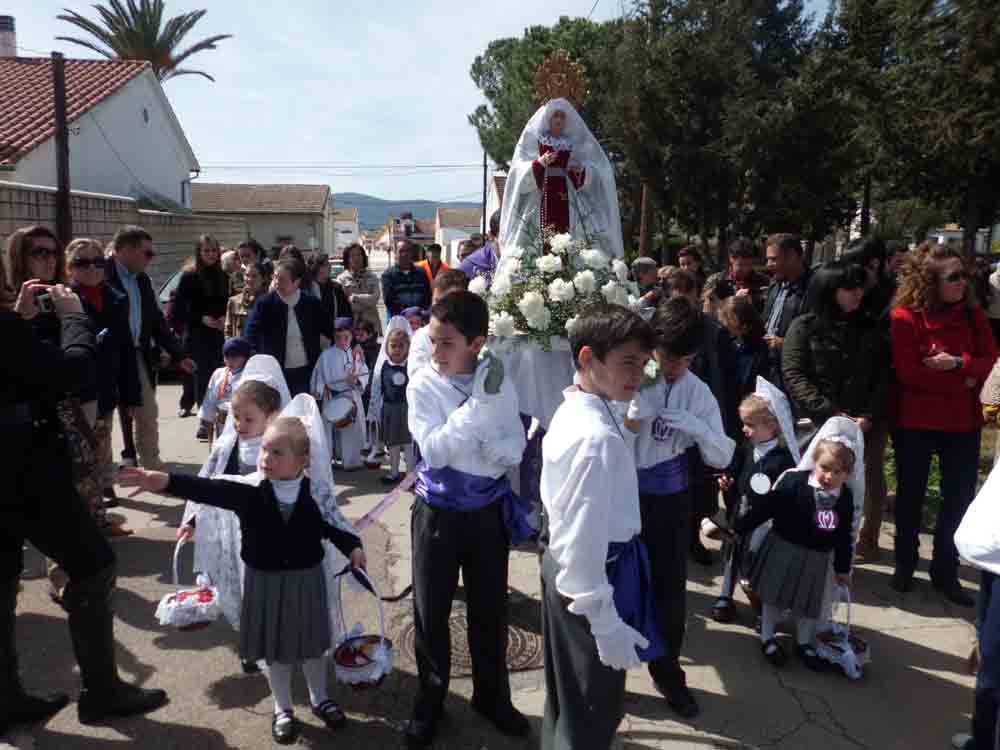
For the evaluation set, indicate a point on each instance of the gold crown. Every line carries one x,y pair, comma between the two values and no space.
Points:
561,78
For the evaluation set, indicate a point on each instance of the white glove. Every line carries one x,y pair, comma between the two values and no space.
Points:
617,648
506,451
684,421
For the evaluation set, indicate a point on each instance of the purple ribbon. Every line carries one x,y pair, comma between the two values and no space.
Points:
450,489
630,575
666,478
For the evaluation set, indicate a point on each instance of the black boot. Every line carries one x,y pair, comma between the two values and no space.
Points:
91,627
17,706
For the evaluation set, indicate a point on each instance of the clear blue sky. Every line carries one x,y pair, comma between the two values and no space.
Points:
360,83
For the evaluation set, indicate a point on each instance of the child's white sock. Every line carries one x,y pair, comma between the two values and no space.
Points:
279,677
394,453
769,617
408,452
805,630
315,672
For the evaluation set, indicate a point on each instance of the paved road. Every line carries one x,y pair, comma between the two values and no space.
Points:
913,697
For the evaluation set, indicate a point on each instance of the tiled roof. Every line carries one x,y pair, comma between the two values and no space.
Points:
499,183
27,117
345,214
459,218
209,197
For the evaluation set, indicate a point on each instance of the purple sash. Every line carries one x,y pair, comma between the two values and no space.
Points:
630,575
666,478
450,489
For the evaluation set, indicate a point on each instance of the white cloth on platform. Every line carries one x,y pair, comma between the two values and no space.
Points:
593,208
591,495
218,538
328,382
539,377
676,416
978,536
456,424
421,351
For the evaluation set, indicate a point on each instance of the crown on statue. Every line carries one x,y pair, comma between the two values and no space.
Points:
561,78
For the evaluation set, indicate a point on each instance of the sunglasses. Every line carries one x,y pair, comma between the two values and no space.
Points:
955,277
44,252
85,263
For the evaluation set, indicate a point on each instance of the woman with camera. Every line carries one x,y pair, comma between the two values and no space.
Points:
39,502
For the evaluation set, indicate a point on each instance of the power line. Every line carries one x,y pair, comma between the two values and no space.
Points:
333,165
593,8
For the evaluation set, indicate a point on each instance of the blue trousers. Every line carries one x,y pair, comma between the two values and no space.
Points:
984,717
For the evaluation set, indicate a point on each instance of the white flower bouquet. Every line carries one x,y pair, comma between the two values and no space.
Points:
539,291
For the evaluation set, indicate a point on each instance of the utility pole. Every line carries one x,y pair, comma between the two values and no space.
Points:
484,196
64,215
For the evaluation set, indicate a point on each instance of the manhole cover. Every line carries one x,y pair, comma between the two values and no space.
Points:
524,646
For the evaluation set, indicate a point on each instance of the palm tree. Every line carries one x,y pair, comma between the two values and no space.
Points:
137,31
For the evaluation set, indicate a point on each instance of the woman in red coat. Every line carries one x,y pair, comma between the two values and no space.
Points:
942,351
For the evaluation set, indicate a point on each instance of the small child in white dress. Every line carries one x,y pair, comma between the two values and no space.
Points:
338,382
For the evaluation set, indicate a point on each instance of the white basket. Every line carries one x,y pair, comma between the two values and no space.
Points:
839,646
188,609
362,660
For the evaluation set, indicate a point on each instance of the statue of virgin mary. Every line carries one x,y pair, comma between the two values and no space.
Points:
560,182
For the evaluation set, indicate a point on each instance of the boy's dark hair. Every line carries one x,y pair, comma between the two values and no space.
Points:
464,310
252,244
678,327
295,267
866,249
741,248
367,326
130,236
261,395
606,327
449,280
683,282
433,248
786,243
743,311
495,224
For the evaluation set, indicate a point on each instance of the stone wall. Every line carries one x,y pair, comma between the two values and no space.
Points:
100,216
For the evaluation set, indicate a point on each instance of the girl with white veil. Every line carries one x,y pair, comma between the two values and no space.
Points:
560,180
216,531
387,407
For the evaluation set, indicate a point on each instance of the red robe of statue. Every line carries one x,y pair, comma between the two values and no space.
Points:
551,182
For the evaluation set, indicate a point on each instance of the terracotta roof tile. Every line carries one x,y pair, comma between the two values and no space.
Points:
27,117
499,183
210,197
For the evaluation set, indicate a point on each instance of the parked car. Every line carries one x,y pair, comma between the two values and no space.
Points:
166,299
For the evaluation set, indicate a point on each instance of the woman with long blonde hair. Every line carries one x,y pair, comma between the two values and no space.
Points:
942,350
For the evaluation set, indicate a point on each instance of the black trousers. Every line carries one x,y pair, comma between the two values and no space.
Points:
666,533
205,348
959,456
444,542
584,699
298,379
43,507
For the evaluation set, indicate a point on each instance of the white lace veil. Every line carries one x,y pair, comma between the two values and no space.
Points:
396,323
598,200
782,410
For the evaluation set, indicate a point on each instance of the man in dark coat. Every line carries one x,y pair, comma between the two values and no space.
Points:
296,347
404,285
786,296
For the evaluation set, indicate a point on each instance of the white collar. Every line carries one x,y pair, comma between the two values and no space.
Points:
287,490
762,449
815,485
293,300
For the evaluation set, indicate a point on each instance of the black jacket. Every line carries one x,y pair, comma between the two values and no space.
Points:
715,364
154,333
200,293
752,359
776,462
267,326
402,289
269,541
117,369
792,505
335,300
835,367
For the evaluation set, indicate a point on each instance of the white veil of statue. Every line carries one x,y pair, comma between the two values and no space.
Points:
593,208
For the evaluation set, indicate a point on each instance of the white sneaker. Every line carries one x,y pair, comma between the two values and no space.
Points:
962,741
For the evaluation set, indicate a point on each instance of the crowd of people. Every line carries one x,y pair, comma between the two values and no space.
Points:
776,390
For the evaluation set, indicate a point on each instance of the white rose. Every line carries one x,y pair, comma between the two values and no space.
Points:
514,252
596,259
571,323
560,243
541,321
501,286
503,325
585,282
615,293
549,264
478,286
621,270
532,305
561,290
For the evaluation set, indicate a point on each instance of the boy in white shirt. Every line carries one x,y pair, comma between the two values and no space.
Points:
596,622
465,517
673,411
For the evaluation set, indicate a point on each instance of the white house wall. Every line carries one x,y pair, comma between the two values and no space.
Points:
346,233
299,228
150,158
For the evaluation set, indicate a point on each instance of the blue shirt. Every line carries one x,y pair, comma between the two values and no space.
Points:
131,283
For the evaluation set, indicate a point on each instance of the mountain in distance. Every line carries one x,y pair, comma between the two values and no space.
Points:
375,212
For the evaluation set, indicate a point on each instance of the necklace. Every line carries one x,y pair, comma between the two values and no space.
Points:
614,419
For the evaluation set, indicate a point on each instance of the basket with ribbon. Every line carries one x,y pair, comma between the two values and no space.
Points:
189,608
839,646
362,660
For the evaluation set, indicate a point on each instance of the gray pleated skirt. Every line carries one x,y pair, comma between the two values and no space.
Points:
395,428
285,615
788,576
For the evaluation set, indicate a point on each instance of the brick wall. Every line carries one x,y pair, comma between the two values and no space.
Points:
100,216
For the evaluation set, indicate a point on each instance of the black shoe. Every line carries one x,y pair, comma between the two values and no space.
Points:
954,593
901,582
110,498
724,610
808,656
249,667
507,719
679,698
23,708
419,734
773,652
184,413
202,433
284,728
330,714
700,553
117,701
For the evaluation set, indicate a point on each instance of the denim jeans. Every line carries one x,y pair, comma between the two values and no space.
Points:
984,717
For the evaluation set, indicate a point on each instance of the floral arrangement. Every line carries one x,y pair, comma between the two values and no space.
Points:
540,291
